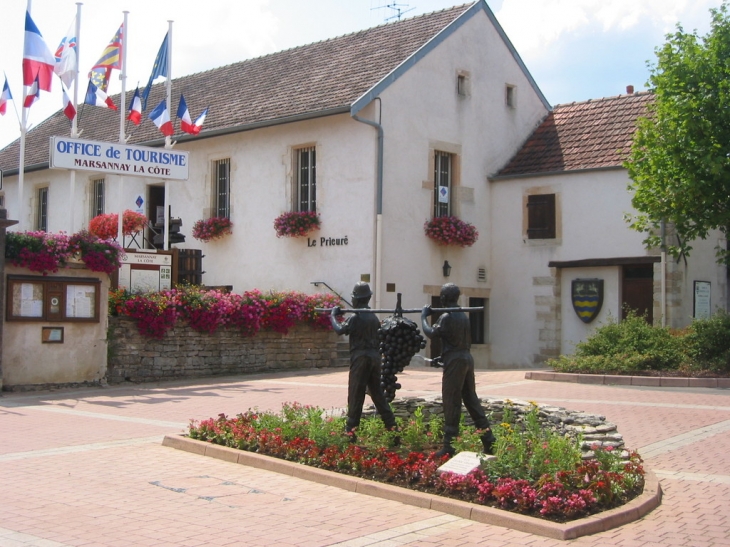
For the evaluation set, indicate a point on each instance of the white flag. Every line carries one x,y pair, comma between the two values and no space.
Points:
66,56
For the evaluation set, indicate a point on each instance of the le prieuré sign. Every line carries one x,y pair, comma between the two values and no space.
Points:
118,159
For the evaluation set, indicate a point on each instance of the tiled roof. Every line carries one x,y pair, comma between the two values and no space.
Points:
308,79
586,135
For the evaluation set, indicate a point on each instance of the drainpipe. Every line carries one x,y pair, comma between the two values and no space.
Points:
378,248
663,274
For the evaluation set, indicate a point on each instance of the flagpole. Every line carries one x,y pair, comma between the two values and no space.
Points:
21,159
168,139
122,111
74,122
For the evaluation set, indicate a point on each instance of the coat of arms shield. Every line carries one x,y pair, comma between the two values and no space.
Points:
587,297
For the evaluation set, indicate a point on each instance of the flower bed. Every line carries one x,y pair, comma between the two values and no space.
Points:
296,223
451,231
45,253
212,228
210,310
534,473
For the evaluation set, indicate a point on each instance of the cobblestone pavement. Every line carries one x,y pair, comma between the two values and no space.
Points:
86,467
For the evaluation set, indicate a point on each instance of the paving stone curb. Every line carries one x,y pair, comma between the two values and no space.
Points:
613,518
611,379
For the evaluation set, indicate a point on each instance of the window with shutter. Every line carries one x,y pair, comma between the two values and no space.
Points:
541,216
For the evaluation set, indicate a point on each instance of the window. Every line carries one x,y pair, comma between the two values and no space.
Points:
306,183
541,216
97,197
461,85
2,201
42,211
477,321
443,169
510,96
222,188
35,298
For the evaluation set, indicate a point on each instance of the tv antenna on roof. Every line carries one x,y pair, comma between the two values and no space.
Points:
397,8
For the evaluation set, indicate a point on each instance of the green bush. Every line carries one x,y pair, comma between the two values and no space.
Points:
708,343
646,346
633,346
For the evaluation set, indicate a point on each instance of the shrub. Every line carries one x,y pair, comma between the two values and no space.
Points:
629,345
708,342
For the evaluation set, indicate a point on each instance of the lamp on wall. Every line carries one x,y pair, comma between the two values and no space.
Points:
447,268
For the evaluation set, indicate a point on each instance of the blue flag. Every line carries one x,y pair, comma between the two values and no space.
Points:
158,69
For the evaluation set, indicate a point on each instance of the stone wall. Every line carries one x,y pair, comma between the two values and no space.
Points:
185,353
548,315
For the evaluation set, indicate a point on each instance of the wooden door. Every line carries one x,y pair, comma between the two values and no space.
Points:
638,291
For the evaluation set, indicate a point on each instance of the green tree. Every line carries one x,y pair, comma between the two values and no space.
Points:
680,158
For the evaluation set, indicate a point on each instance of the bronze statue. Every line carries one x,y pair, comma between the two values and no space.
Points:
458,382
364,360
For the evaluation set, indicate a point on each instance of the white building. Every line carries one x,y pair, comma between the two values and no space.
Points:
357,128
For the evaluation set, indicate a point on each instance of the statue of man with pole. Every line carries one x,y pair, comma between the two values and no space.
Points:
458,382
364,360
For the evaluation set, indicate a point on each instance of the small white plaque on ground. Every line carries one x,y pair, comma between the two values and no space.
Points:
464,463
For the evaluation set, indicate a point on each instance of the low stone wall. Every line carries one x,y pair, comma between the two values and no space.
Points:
186,353
594,429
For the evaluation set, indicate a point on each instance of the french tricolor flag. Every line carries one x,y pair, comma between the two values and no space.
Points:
135,108
68,107
199,121
5,97
34,92
38,61
161,118
96,97
186,124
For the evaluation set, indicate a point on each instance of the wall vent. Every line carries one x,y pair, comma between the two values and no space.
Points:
482,275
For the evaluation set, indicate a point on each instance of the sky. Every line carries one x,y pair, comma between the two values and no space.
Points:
576,50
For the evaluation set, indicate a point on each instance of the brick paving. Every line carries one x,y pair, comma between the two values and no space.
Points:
85,467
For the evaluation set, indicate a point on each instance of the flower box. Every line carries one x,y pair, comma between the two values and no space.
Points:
212,228
451,231
45,252
106,226
296,223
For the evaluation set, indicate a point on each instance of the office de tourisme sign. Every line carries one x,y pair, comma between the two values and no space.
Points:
118,159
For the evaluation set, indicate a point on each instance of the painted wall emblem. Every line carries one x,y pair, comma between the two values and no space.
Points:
587,297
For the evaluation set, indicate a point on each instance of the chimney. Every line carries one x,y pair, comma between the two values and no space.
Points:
629,89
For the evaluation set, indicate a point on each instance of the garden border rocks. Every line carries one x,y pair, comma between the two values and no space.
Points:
649,499
594,429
